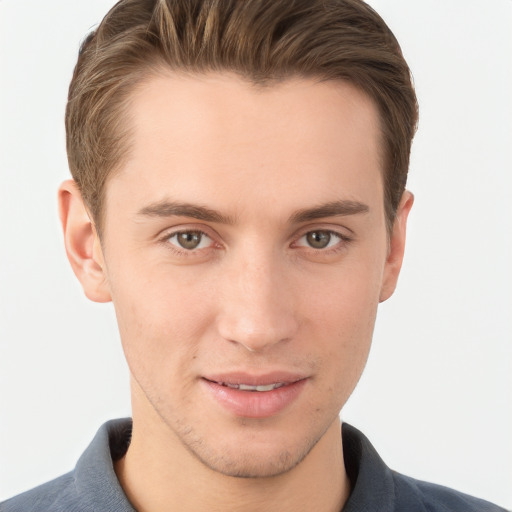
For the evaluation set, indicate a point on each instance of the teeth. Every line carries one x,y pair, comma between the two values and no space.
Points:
247,387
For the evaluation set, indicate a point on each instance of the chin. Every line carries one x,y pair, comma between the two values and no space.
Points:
253,465
261,454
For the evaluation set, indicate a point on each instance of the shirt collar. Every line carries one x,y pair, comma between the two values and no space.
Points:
371,480
99,489
96,482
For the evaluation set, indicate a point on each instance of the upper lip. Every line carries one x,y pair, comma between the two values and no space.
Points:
253,379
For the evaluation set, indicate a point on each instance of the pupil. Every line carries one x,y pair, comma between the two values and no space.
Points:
318,239
189,240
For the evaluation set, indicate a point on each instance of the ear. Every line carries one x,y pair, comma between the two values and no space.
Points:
396,247
82,243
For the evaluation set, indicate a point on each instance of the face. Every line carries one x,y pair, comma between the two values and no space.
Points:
245,251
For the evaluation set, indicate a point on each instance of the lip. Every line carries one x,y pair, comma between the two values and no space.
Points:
255,380
254,404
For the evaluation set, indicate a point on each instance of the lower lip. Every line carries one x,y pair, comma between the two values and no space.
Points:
255,404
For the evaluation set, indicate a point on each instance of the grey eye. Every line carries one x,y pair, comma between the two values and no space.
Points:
318,239
190,240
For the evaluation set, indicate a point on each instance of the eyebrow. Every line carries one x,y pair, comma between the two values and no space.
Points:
167,208
175,209
332,209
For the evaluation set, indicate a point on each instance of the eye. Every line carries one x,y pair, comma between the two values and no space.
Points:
320,239
190,240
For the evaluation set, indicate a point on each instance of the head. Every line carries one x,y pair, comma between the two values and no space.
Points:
244,163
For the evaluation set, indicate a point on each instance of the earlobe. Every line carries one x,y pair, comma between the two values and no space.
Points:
82,243
396,247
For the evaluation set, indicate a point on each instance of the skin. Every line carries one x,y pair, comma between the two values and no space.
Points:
254,296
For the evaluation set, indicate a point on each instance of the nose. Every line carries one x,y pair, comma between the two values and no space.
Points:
256,308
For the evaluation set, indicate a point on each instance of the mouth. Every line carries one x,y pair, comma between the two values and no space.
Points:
249,387
255,396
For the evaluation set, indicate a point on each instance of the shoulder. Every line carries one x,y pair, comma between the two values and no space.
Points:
91,486
377,488
411,493
56,495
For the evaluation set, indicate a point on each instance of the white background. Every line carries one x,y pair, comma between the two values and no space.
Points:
436,396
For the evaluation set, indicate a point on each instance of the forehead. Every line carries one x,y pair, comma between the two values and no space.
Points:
217,135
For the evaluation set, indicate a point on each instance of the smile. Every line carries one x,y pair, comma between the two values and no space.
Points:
248,387
254,397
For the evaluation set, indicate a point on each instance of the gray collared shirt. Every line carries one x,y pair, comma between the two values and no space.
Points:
93,486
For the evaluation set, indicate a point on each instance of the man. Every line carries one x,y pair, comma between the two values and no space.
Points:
239,194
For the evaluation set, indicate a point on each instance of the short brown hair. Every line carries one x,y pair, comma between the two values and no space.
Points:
263,41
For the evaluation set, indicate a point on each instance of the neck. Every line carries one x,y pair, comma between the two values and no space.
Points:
159,474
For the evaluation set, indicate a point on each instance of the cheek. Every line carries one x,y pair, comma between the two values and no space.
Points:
342,321
346,301
348,334
160,319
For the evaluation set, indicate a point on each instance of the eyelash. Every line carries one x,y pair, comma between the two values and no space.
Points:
182,251
343,241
